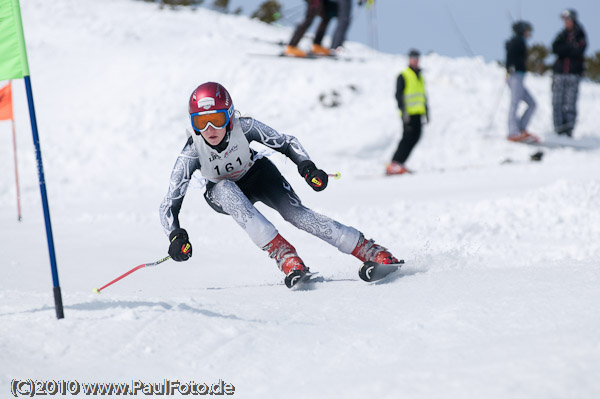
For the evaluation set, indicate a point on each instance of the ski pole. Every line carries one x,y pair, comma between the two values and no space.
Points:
336,175
97,290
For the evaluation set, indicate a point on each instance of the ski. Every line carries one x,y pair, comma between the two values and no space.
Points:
371,271
282,55
303,282
550,144
279,43
554,141
310,56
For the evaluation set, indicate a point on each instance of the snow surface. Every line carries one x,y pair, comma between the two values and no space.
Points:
500,293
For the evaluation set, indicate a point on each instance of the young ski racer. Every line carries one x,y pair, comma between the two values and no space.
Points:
218,147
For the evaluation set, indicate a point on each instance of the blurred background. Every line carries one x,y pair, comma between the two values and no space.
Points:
462,27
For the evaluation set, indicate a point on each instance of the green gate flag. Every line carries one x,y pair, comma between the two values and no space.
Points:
13,55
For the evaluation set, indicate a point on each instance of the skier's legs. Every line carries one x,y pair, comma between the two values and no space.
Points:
322,28
226,197
524,122
303,26
343,237
410,138
516,93
343,16
558,89
570,102
266,184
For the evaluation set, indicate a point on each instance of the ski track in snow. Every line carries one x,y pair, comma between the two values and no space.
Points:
499,295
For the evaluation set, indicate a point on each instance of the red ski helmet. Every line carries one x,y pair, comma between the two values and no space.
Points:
211,98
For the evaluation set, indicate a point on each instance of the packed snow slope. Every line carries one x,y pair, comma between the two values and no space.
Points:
499,296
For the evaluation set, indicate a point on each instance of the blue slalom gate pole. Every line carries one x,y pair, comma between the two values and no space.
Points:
38,154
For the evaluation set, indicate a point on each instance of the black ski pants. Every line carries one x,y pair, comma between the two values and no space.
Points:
313,8
344,10
410,138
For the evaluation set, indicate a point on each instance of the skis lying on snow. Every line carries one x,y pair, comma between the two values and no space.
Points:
552,142
279,43
371,271
282,55
311,56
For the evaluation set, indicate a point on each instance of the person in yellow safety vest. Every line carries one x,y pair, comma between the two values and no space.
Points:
412,102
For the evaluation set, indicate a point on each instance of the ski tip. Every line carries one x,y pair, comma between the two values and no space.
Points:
371,263
304,282
371,271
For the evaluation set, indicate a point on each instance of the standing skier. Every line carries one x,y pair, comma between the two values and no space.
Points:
412,103
569,47
516,60
218,146
324,9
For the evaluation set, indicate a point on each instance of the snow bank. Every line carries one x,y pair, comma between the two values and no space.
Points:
500,290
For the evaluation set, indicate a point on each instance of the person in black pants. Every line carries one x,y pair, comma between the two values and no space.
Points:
344,15
412,103
325,9
344,10
569,47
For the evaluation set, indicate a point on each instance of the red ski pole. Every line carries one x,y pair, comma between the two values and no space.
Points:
97,290
336,175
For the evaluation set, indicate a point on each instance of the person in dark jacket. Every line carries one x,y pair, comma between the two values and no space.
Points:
516,60
569,47
412,103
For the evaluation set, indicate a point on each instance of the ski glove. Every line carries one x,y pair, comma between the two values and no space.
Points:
316,178
180,248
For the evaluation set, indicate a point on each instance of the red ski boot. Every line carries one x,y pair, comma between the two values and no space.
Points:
367,250
287,259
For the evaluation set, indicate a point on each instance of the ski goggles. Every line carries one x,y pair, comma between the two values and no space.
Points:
202,120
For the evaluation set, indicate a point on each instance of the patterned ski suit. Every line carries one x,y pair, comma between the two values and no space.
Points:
238,177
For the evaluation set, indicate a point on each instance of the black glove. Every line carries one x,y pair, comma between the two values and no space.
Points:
180,248
315,178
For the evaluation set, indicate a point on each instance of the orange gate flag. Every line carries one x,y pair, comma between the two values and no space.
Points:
6,109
